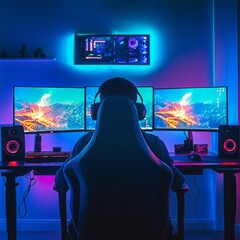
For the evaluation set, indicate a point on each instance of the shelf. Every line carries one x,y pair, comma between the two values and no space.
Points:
27,59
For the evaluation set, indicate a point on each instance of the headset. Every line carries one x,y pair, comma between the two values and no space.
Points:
141,109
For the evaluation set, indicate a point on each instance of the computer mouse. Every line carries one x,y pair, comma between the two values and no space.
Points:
195,157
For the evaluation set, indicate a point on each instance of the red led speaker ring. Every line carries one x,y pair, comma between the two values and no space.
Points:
12,147
229,146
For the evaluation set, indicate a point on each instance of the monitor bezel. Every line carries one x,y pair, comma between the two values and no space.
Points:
55,130
185,129
77,36
144,129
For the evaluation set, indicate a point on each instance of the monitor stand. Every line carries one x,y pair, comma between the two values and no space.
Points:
38,143
188,143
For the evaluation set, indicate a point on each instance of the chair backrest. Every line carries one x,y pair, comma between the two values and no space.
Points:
119,189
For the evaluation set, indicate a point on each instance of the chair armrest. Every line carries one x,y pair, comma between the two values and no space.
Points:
59,189
181,189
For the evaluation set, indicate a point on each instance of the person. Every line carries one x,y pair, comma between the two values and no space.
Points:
123,87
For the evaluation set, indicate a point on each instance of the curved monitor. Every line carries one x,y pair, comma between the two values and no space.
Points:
147,95
49,109
190,109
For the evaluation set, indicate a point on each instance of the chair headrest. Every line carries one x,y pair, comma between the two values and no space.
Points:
117,119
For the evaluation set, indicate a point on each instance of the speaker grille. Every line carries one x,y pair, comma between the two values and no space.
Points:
230,146
228,141
12,146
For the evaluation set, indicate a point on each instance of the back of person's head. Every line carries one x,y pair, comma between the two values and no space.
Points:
118,86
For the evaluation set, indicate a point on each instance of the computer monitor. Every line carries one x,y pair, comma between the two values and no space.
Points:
49,109
147,95
120,49
190,109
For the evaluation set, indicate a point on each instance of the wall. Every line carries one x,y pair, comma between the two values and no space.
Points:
226,67
183,55
238,177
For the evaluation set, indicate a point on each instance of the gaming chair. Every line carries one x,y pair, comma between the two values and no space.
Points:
118,188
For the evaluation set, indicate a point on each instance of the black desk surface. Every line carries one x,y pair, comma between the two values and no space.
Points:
21,168
209,161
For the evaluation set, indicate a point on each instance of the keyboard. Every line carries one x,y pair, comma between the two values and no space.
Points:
46,156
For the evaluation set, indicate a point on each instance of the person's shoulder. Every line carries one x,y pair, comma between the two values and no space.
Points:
86,137
90,133
150,136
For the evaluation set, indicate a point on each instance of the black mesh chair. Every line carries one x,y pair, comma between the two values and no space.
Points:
180,192
118,188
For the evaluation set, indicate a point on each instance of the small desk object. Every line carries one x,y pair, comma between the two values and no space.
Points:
228,167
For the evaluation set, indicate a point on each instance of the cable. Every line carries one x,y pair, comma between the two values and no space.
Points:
185,134
23,204
4,179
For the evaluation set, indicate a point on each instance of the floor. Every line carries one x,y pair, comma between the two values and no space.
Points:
193,235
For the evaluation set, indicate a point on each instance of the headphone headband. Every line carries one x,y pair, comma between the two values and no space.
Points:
98,92
121,87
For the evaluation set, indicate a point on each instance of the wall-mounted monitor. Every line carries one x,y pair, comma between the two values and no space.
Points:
192,109
119,49
49,109
147,95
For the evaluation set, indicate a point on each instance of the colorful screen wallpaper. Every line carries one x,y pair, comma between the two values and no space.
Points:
112,49
147,95
49,109
190,108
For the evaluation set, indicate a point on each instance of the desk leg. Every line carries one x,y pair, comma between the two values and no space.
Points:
11,206
229,205
63,213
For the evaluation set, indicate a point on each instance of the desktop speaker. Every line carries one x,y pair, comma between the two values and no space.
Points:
12,143
228,141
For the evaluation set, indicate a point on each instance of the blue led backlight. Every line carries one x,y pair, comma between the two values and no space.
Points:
155,55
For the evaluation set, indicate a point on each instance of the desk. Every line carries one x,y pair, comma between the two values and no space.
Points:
226,166
11,171
209,161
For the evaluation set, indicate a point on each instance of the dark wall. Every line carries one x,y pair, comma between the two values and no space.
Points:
181,33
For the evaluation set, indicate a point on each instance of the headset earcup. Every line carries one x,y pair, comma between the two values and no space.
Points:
94,110
141,109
